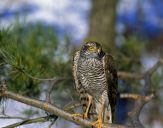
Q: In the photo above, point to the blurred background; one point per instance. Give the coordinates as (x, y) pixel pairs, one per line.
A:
(38, 39)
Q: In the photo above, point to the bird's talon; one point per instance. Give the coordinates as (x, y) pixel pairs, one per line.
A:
(85, 116)
(97, 124)
(77, 115)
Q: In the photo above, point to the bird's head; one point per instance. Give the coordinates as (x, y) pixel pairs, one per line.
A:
(92, 50)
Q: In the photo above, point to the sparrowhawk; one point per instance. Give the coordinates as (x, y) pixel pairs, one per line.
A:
(96, 79)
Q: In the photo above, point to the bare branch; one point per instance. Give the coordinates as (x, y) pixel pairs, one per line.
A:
(154, 68)
(50, 108)
(142, 100)
(136, 96)
(28, 121)
(39, 119)
(12, 117)
(128, 75)
(51, 88)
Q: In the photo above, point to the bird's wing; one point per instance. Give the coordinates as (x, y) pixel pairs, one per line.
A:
(112, 78)
(85, 98)
(75, 70)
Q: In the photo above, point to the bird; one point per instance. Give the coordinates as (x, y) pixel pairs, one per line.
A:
(96, 82)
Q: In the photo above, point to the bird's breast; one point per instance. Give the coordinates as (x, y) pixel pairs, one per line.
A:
(92, 76)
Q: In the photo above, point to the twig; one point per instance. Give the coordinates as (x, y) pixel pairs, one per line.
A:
(154, 68)
(136, 96)
(12, 117)
(51, 124)
(44, 79)
(50, 89)
(129, 75)
(29, 121)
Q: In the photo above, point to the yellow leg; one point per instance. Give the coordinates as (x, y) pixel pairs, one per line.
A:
(98, 123)
(85, 116)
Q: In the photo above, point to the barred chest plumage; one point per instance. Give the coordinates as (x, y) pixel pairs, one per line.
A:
(91, 75)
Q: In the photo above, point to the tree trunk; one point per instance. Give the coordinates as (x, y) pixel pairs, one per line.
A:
(102, 23)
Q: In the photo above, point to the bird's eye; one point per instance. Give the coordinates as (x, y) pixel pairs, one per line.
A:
(90, 48)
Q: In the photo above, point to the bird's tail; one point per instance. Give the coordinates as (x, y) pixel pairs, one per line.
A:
(108, 114)
(84, 98)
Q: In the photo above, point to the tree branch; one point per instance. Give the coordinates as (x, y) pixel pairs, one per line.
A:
(28, 121)
(25, 121)
(50, 108)
(44, 79)
(139, 104)
(12, 117)
(129, 75)
(136, 96)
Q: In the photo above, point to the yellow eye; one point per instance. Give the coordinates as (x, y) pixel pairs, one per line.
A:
(90, 48)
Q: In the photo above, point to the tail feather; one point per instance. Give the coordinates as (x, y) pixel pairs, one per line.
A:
(84, 98)
(108, 115)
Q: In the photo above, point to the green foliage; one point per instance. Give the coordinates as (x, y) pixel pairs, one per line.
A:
(30, 112)
(31, 50)
(156, 79)
(128, 55)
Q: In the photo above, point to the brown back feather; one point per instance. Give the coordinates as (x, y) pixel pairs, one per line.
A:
(112, 82)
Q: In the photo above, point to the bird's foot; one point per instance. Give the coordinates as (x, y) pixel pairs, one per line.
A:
(97, 124)
(77, 115)
(85, 116)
